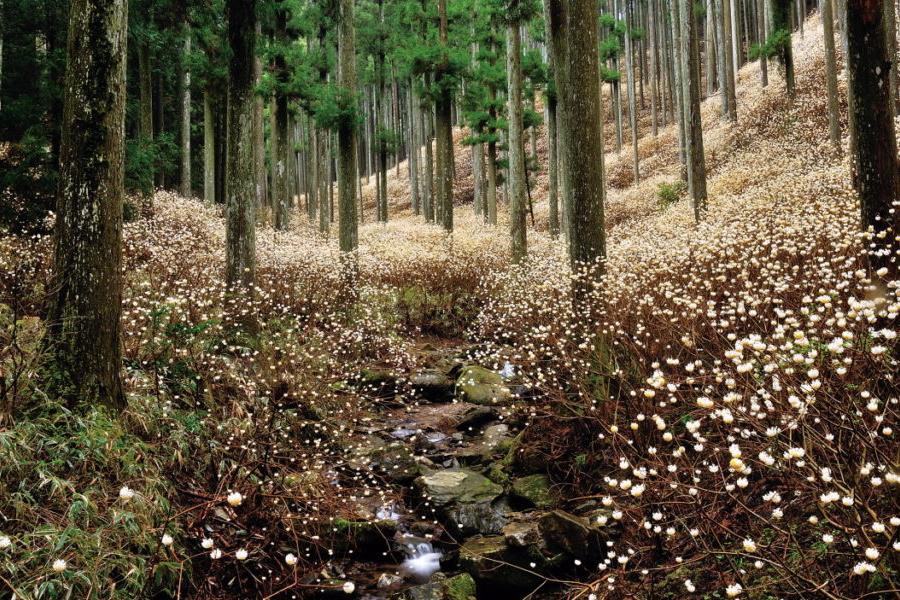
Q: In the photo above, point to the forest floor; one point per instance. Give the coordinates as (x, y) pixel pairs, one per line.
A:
(461, 416)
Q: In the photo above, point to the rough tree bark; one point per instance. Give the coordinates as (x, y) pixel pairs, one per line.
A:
(761, 34)
(779, 11)
(240, 186)
(444, 129)
(84, 331)
(868, 63)
(517, 229)
(693, 126)
(186, 117)
(574, 21)
(632, 103)
(280, 143)
(347, 175)
(834, 125)
(209, 150)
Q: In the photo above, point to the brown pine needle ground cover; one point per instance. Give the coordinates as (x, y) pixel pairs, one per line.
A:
(728, 412)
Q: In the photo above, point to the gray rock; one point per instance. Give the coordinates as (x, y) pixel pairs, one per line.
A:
(458, 486)
(480, 386)
(433, 386)
(468, 501)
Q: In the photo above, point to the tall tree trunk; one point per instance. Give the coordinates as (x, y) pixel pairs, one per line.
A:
(779, 12)
(834, 125)
(444, 129)
(709, 48)
(679, 75)
(490, 215)
(584, 135)
(280, 142)
(412, 126)
(145, 92)
(430, 191)
(632, 103)
(730, 55)
(654, 68)
(761, 33)
(209, 150)
(553, 159)
(2, 29)
(84, 333)
(347, 227)
(186, 117)
(240, 186)
(259, 134)
(322, 171)
(694, 128)
(517, 229)
(868, 63)
(890, 20)
(478, 173)
(555, 15)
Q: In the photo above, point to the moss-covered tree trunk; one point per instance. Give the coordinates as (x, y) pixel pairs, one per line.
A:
(876, 143)
(517, 229)
(84, 329)
(347, 175)
(240, 186)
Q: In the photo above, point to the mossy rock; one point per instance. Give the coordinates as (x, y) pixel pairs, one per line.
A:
(392, 460)
(377, 382)
(441, 587)
(534, 489)
(433, 386)
(368, 539)
(496, 567)
(458, 486)
(459, 587)
(481, 386)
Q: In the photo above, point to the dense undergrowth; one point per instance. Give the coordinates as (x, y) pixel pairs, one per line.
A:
(731, 397)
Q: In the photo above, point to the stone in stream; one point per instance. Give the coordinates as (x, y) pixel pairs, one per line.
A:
(432, 385)
(458, 587)
(468, 501)
(478, 385)
(474, 417)
(496, 567)
(392, 460)
(494, 440)
(367, 539)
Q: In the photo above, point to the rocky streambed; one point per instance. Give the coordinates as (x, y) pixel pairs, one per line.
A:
(468, 520)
